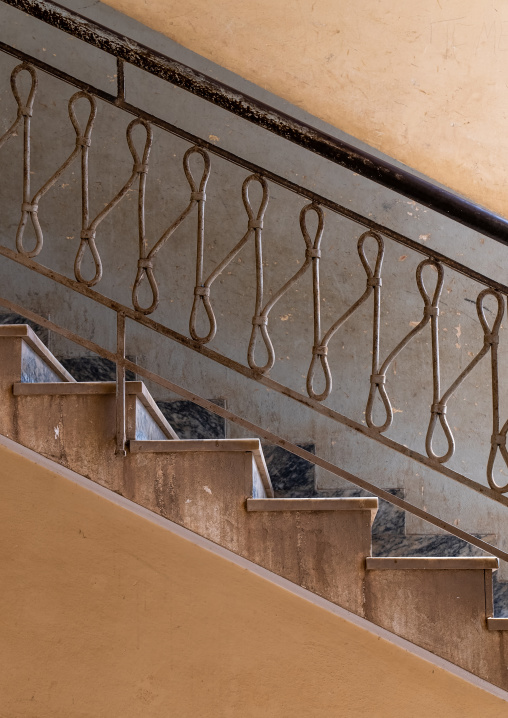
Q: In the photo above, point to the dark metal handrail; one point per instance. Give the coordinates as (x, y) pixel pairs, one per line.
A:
(300, 133)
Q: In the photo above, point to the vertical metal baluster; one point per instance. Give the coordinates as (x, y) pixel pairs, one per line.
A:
(200, 241)
(316, 290)
(436, 372)
(120, 80)
(376, 326)
(495, 390)
(120, 385)
(142, 172)
(85, 205)
(26, 155)
(258, 243)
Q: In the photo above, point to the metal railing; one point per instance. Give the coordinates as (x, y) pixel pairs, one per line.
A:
(203, 295)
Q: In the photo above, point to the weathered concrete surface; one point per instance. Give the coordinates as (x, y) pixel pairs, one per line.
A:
(10, 363)
(74, 430)
(443, 611)
(323, 551)
(343, 279)
(14, 341)
(143, 418)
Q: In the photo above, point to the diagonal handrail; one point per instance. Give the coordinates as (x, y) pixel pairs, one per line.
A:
(263, 115)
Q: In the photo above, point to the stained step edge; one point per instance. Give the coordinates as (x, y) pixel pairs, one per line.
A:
(318, 504)
(431, 562)
(497, 624)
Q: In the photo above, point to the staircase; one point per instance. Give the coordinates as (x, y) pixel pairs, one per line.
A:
(221, 490)
(290, 476)
(439, 592)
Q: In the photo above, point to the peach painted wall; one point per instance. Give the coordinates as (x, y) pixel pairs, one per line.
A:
(422, 80)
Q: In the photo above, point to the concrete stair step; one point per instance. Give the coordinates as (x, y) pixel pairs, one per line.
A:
(23, 358)
(440, 604)
(208, 486)
(144, 418)
(36, 362)
(497, 624)
(312, 504)
(262, 485)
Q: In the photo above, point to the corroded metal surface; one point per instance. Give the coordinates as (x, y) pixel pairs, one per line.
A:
(297, 189)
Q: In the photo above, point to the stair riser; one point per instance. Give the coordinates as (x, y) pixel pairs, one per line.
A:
(443, 611)
(10, 361)
(19, 363)
(79, 430)
(323, 551)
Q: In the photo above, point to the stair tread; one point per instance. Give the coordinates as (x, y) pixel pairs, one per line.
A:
(77, 387)
(182, 445)
(314, 504)
(431, 562)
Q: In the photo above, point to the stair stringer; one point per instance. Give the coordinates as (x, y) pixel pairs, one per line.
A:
(287, 631)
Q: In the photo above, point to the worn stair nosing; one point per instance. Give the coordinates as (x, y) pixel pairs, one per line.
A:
(97, 388)
(27, 334)
(187, 445)
(318, 504)
(380, 563)
(497, 624)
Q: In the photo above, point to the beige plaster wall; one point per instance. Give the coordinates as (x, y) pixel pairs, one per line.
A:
(106, 614)
(422, 80)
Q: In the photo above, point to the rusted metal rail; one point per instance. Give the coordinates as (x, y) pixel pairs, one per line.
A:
(253, 168)
(368, 165)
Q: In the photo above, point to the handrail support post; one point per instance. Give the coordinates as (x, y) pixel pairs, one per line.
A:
(120, 385)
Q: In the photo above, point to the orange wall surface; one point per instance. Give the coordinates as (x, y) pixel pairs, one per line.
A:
(422, 80)
(105, 614)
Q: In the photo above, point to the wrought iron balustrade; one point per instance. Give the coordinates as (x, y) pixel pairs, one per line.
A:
(315, 212)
